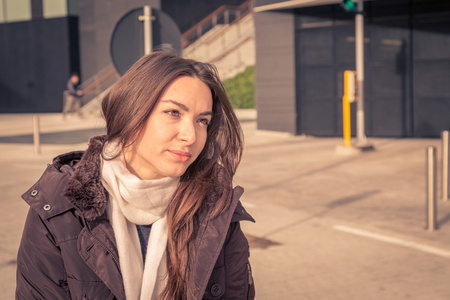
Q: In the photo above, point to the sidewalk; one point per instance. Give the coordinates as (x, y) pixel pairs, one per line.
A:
(328, 226)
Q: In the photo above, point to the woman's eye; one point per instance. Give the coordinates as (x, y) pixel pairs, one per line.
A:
(204, 122)
(173, 113)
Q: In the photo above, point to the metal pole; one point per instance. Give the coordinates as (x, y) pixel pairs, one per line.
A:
(444, 136)
(431, 188)
(36, 139)
(147, 30)
(226, 16)
(359, 43)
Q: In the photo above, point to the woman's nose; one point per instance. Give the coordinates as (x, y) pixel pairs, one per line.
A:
(187, 132)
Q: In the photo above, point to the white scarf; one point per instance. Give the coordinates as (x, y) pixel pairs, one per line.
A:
(138, 202)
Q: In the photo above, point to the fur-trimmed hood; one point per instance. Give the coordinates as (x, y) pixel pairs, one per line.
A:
(84, 189)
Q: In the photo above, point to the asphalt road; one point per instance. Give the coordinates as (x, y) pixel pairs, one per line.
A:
(328, 226)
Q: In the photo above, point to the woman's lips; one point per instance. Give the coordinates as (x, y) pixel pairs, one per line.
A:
(180, 155)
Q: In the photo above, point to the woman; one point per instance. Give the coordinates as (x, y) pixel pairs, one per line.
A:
(147, 211)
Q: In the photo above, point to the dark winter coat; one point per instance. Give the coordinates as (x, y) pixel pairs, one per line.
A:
(72, 88)
(68, 249)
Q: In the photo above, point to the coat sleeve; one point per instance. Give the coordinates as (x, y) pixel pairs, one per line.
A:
(40, 268)
(239, 280)
(71, 88)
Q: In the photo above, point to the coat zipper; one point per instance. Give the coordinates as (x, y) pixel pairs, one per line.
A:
(88, 229)
(107, 249)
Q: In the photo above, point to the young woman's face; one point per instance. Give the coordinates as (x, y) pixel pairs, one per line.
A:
(175, 132)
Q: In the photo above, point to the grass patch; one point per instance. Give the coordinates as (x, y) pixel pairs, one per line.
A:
(241, 88)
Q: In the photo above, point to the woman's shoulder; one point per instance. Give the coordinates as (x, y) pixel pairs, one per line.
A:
(45, 196)
(241, 214)
(234, 212)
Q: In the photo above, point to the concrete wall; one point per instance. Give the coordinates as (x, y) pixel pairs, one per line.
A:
(275, 78)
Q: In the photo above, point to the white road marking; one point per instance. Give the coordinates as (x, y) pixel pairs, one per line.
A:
(392, 240)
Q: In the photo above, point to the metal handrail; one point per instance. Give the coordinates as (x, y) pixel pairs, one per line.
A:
(225, 14)
(96, 84)
(99, 80)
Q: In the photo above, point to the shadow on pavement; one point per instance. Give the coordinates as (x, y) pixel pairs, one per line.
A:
(55, 138)
(258, 242)
(8, 263)
(351, 199)
(444, 220)
(333, 205)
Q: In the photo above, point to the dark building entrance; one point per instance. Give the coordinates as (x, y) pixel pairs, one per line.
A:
(407, 68)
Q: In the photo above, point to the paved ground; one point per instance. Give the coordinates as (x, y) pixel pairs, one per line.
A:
(328, 226)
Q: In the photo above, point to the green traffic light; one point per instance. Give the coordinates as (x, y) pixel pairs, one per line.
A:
(348, 5)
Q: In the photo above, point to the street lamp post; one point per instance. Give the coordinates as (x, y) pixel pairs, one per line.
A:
(361, 139)
(147, 19)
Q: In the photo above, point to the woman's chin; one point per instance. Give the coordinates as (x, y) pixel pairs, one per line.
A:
(175, 173)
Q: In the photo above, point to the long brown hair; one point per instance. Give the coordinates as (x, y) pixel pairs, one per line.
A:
(126, 109)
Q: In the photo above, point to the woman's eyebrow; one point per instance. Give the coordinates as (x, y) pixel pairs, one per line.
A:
(180, 105)
(185, 108)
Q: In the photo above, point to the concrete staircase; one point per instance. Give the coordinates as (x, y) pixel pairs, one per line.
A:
(230, 47)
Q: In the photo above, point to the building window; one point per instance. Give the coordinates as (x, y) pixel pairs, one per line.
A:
(72, 7)
(60, 8)
(54, 8)
(2, 11)
(15, 10)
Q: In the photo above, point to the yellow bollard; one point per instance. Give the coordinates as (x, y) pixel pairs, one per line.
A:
(349, 96)
(347, 121)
